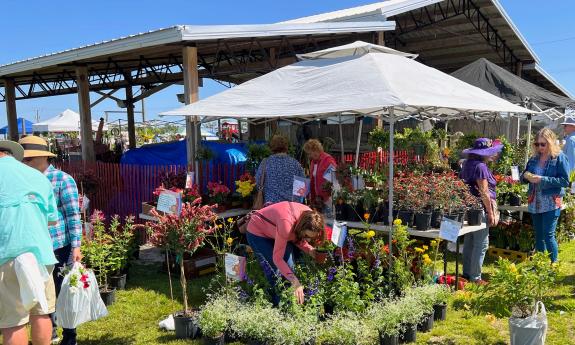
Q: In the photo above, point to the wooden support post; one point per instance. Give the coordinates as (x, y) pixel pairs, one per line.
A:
(85, 114)
(131, 120)
(191, 95)
(10, 90)
(380, 40)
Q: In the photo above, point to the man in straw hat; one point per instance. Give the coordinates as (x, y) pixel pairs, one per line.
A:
(569, 148)
(27, 206)
(67, 234)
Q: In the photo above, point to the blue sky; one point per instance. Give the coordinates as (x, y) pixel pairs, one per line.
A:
(32, 28)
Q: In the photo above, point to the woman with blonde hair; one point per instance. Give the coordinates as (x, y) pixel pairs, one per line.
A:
(276, 232)
(547, 173)
(320, 161)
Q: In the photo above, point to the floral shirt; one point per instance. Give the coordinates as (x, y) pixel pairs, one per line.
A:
(280, 171)
(542, 203)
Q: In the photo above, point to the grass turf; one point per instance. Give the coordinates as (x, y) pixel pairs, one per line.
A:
(134, 317)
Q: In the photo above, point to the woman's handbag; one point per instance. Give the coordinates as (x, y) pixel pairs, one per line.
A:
(243, 222)
(259, 199)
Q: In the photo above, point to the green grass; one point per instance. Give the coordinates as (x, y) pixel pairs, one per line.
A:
(134, 317)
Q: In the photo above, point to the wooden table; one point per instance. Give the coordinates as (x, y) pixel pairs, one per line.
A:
(431, 234)
(236, 212)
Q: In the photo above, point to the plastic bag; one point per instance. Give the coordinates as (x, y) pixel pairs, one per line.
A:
(32, 279)
(168, 324)
(531, 330)
(79, 299)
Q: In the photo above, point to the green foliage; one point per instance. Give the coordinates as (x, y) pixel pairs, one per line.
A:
(346, 328)
(256, 154)
(204, 154)
(215, 315)
(378, 137)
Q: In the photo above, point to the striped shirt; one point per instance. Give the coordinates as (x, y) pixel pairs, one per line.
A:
(68, 230)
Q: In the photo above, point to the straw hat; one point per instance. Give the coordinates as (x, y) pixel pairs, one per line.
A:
(35, 147)
(13, 147)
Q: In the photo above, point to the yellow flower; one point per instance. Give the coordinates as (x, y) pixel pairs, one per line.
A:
(229, 241)
(370, 234)
(230, 220)
(434, 243)
(220, 226)
(490, 318)
(397, 222)
(419, 250)
(425, 256)
(513, 268)
(425, 247)
(427, 261)
(366, 216)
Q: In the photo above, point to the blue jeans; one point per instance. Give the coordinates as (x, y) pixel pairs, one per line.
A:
(474, 248)
(263, 249)
(64, 257)
(545, 225)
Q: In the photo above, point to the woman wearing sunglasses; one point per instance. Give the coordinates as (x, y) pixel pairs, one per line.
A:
(548, 174)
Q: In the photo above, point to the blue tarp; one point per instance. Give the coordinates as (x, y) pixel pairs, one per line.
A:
(28, 125)
(174, 153)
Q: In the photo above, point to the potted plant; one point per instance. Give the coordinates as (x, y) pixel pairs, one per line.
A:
(218, 194)
(425, 295)
(440, 298)
(411, 316)
(214, 319)
(526, 241)
(184, 233)
(97, 252)
(121, 251)
(346, 329)
(245, 188)
(386, 319)
(256, 324)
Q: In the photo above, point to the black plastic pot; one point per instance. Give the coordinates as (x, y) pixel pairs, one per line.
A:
(436, 218)
(461, 216)
(423, 221)
(474, 217)
(214, 341)
(452, 216)
(186, 326)
(408, 335)
(406, 217)
(426, 324)
(385, 339)
(439, 312)
(118, 282)
(514, 199)
(108, 296)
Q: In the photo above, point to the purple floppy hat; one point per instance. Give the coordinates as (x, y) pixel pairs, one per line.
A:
(484, 147)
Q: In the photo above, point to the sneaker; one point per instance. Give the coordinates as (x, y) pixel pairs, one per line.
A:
(55, 340)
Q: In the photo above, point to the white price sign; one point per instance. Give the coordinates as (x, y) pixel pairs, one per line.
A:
(450, 229)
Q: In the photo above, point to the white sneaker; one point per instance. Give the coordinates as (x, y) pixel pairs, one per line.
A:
(55, 340)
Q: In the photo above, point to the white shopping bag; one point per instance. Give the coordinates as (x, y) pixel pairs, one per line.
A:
(531, 330)
(76, 303)
(32, 279)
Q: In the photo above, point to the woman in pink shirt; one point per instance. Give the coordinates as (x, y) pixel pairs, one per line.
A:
(274, 231)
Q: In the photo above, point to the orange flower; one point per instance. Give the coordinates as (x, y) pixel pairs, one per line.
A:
(366, 216)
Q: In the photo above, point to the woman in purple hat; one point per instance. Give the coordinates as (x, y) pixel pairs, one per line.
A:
(548, 174)
(481, 182)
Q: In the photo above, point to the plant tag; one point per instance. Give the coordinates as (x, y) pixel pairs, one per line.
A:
(300, 186)
(235, 267)
(190, 180)
(339, 233)
(572, 187)
(329, 174)
(170, 202)
(449, 229)
(515, 173)
(358, 182)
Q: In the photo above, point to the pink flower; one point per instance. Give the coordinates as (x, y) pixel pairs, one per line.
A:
(97, 216)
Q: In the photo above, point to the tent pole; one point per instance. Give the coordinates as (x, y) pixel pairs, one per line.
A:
(341, 140)
(528, 138)
(518, 136)
(508, 127)
(358, 142)
(390, 180)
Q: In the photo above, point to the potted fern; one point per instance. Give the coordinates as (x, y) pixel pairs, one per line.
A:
(181, 234)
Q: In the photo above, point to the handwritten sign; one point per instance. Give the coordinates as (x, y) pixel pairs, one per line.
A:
(515, 173)
(235, 267)
(300, 186)
(329, 174)
(449, 229)
(170, 202)
(339, 233)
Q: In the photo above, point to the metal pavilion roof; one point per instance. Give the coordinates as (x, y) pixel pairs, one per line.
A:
(230, 53)
(449, 34)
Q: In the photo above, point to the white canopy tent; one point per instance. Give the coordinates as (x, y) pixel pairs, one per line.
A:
(66, 121)
(374, 82)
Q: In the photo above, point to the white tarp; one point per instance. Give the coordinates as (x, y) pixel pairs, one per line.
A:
(355, 48)
(358, 83)
(66, 121)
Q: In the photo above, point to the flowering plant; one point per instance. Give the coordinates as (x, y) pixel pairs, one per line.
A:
(79, 279)
(183, 233)
(246, 185)
(218, 192)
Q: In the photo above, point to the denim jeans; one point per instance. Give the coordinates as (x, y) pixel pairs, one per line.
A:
(545, 225)
(64, 257)
(474, 248)
(263, 248)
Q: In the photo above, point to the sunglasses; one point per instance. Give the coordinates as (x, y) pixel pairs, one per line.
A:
(539, 144)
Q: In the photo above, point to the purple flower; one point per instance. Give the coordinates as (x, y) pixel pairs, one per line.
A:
(350, 247)
(377, 262)
(312, 290)
(249, 281)
(331, 273)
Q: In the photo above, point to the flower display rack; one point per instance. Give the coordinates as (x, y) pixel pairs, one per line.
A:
(512, 255)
